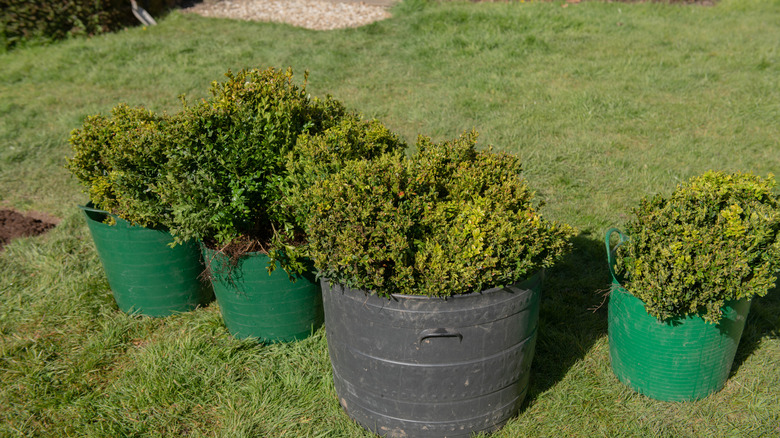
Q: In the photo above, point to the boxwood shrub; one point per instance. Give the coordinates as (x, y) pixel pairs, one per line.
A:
(715, 238)
(447, 220)
(316, 156)
(232, 169)
(224, 173)
(245, 157)
(119, 159)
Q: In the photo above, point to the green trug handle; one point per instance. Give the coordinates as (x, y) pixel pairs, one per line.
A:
(611, 250)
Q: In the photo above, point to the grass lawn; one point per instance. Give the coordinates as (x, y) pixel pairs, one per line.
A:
(605, 103)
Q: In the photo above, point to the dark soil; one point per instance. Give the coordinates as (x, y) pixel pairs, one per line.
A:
(14, 224)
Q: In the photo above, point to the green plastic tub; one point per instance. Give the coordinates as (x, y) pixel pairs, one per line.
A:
(268, 307)
(681, 359)
(147, 276)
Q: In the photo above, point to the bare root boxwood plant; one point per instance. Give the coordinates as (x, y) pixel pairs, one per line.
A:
(448, 220)
(715, 238)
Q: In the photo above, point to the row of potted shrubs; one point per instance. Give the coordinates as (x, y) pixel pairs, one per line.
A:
(430, 263)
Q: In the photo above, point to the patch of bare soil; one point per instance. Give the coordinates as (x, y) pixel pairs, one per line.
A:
(14, 224)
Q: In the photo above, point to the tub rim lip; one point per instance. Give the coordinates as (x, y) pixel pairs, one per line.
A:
(535, 279)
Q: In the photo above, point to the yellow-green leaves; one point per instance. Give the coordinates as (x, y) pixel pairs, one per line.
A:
(735, 226)
(448, 220)
(118, 159)
(216, 170)
(715, 238)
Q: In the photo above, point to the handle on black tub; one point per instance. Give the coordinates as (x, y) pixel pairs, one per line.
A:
(439, 333)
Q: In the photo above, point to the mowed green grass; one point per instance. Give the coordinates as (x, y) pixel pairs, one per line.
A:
(605, 103)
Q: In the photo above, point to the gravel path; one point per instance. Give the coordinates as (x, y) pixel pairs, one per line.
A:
(311, 14)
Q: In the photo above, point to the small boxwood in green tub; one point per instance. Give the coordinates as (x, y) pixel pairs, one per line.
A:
(119, 159)
(233, 180)
(690, 263)
(432, 268)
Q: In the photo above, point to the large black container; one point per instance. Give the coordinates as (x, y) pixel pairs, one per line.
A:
(415, 366)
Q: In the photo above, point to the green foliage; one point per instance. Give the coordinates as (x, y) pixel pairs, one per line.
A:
(52, 20)
(221, 178)
(47, 21)
(118, 159)
(449, 220)
(232, 170)
(715, 238)
(587, 107)
(317, 156)
(24, 20)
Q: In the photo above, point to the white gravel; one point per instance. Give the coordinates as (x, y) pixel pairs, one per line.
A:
(311, 14)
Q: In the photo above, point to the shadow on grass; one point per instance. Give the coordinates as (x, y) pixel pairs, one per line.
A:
(573, 314)
(763, 321)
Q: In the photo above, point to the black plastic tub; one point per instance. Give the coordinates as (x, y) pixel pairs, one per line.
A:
(413, 366)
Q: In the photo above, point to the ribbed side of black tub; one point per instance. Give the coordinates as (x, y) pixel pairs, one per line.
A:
(413, 366)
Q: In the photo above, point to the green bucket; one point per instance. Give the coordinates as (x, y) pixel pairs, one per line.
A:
(268, 307)
(146, 275)
(681, 359)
